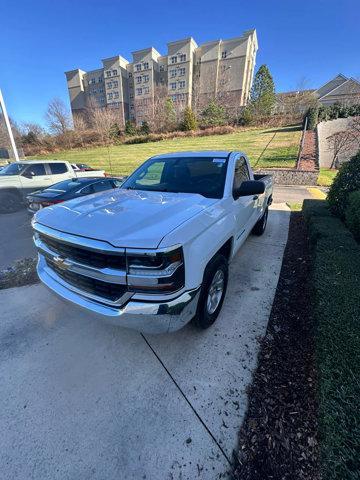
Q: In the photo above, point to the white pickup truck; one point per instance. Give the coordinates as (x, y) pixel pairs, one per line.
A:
(154, 254)
(18, 179)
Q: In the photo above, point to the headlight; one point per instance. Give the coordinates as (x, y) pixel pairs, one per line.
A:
(155, 272)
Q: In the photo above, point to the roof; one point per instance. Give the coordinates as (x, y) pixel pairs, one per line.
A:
(349, 87)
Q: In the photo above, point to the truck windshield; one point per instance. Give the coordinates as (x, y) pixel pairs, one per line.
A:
(13, 169)
(202, 175)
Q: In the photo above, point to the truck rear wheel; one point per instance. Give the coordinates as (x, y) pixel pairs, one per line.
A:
(9, 202)
(213, 292)
(260, 225)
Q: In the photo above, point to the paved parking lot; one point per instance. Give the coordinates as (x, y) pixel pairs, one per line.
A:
(82, 399)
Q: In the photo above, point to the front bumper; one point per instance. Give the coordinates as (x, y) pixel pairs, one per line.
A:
(146, 317)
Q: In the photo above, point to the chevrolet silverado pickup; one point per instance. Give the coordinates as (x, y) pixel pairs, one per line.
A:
(154, 254)
(18, 179)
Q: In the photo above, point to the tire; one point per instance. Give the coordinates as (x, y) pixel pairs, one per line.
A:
(209, 306)
(9, 202)
(260, 225)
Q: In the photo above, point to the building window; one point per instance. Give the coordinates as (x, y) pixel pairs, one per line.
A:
(100, 78)
(109, 84)
(131, 107)
(110, 96)
(173, 86)
(181, 72)
(146, 78)
(138, 79)
(146, 65)
(131, 96)
(224, 54)
(102, 99)
(162, 68)
(173, 59)
(101, 90)
(146, 90)
(173, 72)
(183, 57)
(138, 67)
(139, 91)
(182, 84)
(115, 84)
(114, 72)
(173, 98)
(116, 94)
(108, 73)
(130, 75)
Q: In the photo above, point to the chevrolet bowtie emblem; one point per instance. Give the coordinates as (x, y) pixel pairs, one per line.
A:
(61, 263)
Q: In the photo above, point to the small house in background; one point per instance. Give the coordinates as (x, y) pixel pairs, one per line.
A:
(340, 89)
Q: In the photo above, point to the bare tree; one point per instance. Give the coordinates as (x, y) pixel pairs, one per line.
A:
(341, 143)
(102, 120)
(58, 117)
(33, 127)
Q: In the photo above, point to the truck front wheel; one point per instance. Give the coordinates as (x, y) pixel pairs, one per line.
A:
(213, 292)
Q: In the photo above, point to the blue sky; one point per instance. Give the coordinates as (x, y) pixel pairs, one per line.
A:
(311, 39)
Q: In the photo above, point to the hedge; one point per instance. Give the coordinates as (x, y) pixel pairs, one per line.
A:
(336, 280)
(352, 214)
(346, 181)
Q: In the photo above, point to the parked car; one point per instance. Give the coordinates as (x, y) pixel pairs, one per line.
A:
(154, 254)
(19, 179)
(69, 189)
(82, 167)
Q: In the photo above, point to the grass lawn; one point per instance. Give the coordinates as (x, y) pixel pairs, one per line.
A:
(326, 177)
(282, 151)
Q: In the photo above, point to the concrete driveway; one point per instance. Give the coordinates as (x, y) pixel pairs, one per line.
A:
(82, 399)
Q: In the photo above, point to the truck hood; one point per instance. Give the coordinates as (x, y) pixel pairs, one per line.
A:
(124, 218)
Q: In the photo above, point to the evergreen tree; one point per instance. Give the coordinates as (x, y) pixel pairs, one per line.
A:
(130, 128)
(114, 131)
(170, 114)
(145, 128)
(263, 92)
(214, 115)
(189, 120)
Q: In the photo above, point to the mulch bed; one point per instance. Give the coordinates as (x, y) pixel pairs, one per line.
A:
(279, 439)
(308, 159)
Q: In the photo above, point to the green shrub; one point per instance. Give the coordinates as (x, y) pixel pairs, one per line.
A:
(346, 181)
(313, 114)
(130, 128)
(189, 121)
(145, 128)
(336, 279)
(352, 214)
(213, 115)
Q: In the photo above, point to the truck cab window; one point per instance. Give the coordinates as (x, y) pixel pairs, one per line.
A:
(241, 172)
(36, 169)
(57, 168)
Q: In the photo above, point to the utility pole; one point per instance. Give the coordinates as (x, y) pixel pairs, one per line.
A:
(8, 127)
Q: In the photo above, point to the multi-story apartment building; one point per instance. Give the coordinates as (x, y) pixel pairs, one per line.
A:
(189, 74)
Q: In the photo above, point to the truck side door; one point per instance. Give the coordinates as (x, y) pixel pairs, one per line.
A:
(243, 206)
(59, 171)
(34, 177)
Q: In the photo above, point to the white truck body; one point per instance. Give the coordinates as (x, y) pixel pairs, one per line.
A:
(136, 222)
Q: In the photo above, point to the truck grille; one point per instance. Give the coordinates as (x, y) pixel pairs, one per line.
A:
(109, 291)
(87, 257)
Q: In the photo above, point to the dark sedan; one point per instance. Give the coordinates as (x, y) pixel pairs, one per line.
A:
(68, 189)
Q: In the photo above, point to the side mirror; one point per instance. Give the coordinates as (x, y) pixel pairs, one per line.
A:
(249, 187)
(28, 174)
